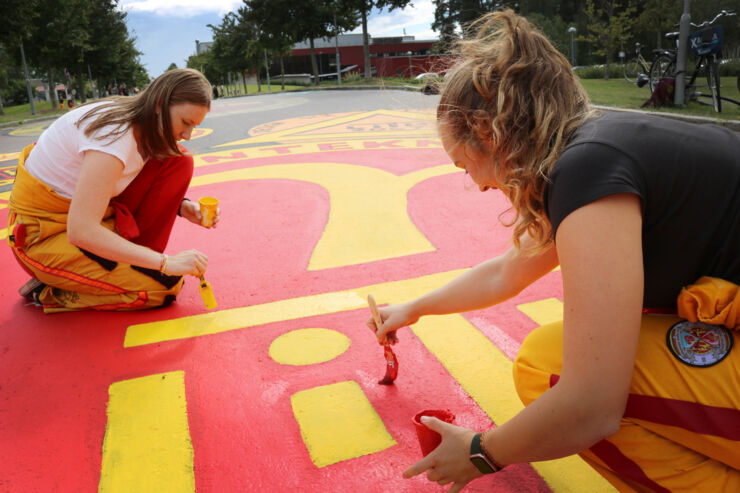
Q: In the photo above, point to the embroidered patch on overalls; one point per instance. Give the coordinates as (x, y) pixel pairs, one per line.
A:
(699, 344)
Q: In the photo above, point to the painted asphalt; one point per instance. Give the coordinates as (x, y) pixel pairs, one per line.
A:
(326, 197)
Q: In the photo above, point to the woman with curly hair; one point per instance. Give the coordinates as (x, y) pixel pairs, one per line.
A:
(95, 199)
(642, 214)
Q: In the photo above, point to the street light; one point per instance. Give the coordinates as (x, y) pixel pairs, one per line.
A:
(572, 31)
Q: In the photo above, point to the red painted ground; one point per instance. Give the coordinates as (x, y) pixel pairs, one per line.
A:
(56, 369)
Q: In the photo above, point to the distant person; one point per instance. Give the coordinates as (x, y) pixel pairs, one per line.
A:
(95, 199)
(642, 214)
(215, 92)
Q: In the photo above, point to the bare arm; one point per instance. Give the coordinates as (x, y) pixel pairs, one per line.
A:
(91, 197)
(600, 250)
(486, 284)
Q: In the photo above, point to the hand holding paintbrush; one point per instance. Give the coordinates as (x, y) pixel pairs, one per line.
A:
(391, 368)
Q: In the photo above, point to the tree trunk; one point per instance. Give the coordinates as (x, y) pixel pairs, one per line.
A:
(52, 88)
(244, 81)
(81, 86)
(282, 73)
(2, 111)
(314, 65)
(365, 45)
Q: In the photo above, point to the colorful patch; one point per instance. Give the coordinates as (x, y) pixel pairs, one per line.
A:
(698, 343)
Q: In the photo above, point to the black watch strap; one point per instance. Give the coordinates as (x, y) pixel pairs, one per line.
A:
(480, 459)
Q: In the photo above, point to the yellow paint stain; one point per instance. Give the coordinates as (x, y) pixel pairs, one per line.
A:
(308, 346)
(311, 131)
(353, 212)
(147, 444)
(3, 233)
(30, 130)
(485, 373)
(277, 311)
(338, 423)
(200, 132)
(9, 156)
(543, 311)
(333, 144)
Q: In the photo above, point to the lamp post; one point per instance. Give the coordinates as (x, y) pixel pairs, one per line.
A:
(572, 31)
(683, 42)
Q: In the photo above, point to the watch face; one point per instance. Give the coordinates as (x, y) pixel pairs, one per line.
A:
(482, 464)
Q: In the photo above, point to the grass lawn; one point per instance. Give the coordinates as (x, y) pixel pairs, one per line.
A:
(615, 92)
(619, 93)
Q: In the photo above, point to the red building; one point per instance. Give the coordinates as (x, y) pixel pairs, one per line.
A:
(401, 56)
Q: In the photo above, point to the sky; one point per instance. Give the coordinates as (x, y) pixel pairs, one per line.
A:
(166, 30)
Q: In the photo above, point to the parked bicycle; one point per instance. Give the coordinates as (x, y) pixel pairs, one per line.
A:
(635, 67)
(706, 44)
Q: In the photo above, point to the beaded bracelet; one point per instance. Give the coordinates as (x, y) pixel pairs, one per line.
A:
(163, 263)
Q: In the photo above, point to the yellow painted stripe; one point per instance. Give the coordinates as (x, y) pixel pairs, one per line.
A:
(543, 311)
(147, 443)
(338, 423)
(3, 233)
(277, 311)
(485, 373)
(282, 135)
(488, 381)
(324, 144)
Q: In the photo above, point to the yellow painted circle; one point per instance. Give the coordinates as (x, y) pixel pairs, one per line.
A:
(308, 346)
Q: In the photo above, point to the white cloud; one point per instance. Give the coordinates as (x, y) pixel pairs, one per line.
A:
(416, 20)
(180, 8)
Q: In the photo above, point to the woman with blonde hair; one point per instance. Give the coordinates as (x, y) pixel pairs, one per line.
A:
(95, 199)
(642, 213)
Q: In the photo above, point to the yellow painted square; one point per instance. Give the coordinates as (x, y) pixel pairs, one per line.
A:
(543, 311)
(147, 444)
(338, 423)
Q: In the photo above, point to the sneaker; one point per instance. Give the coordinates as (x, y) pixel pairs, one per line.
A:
(31, 289)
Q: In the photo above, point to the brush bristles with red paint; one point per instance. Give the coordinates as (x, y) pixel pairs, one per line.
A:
(391, 362)
(391, 366)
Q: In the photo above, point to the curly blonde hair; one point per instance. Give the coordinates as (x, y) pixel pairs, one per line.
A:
(511, 91)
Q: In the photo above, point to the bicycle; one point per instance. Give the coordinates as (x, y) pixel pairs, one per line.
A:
(635, 66)
(706, 44)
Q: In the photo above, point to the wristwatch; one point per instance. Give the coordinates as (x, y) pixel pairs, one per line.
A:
(480, 459)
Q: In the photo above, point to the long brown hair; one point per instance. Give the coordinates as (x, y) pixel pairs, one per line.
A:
(511, 91)
(150, 111)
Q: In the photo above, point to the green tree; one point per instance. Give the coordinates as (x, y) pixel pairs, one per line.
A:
(363, 8)
(314, 19)
(235, 47)
(609, 24)
(272, 35)
(452, 17)
(172, 66)
(113, 55)
(17, 19)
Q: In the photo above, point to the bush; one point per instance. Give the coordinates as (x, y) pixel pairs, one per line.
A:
(597, 71)
(729, 68)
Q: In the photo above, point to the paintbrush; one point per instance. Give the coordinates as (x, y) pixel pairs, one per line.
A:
(207, 294)
(391, 362)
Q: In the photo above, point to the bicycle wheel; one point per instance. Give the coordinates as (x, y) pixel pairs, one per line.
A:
(663, 66)
(631, 69)
(713, 83)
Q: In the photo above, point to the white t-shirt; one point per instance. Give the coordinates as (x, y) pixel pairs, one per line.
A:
(56, 159)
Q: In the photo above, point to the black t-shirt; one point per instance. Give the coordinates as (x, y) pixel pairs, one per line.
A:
(687, 177)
